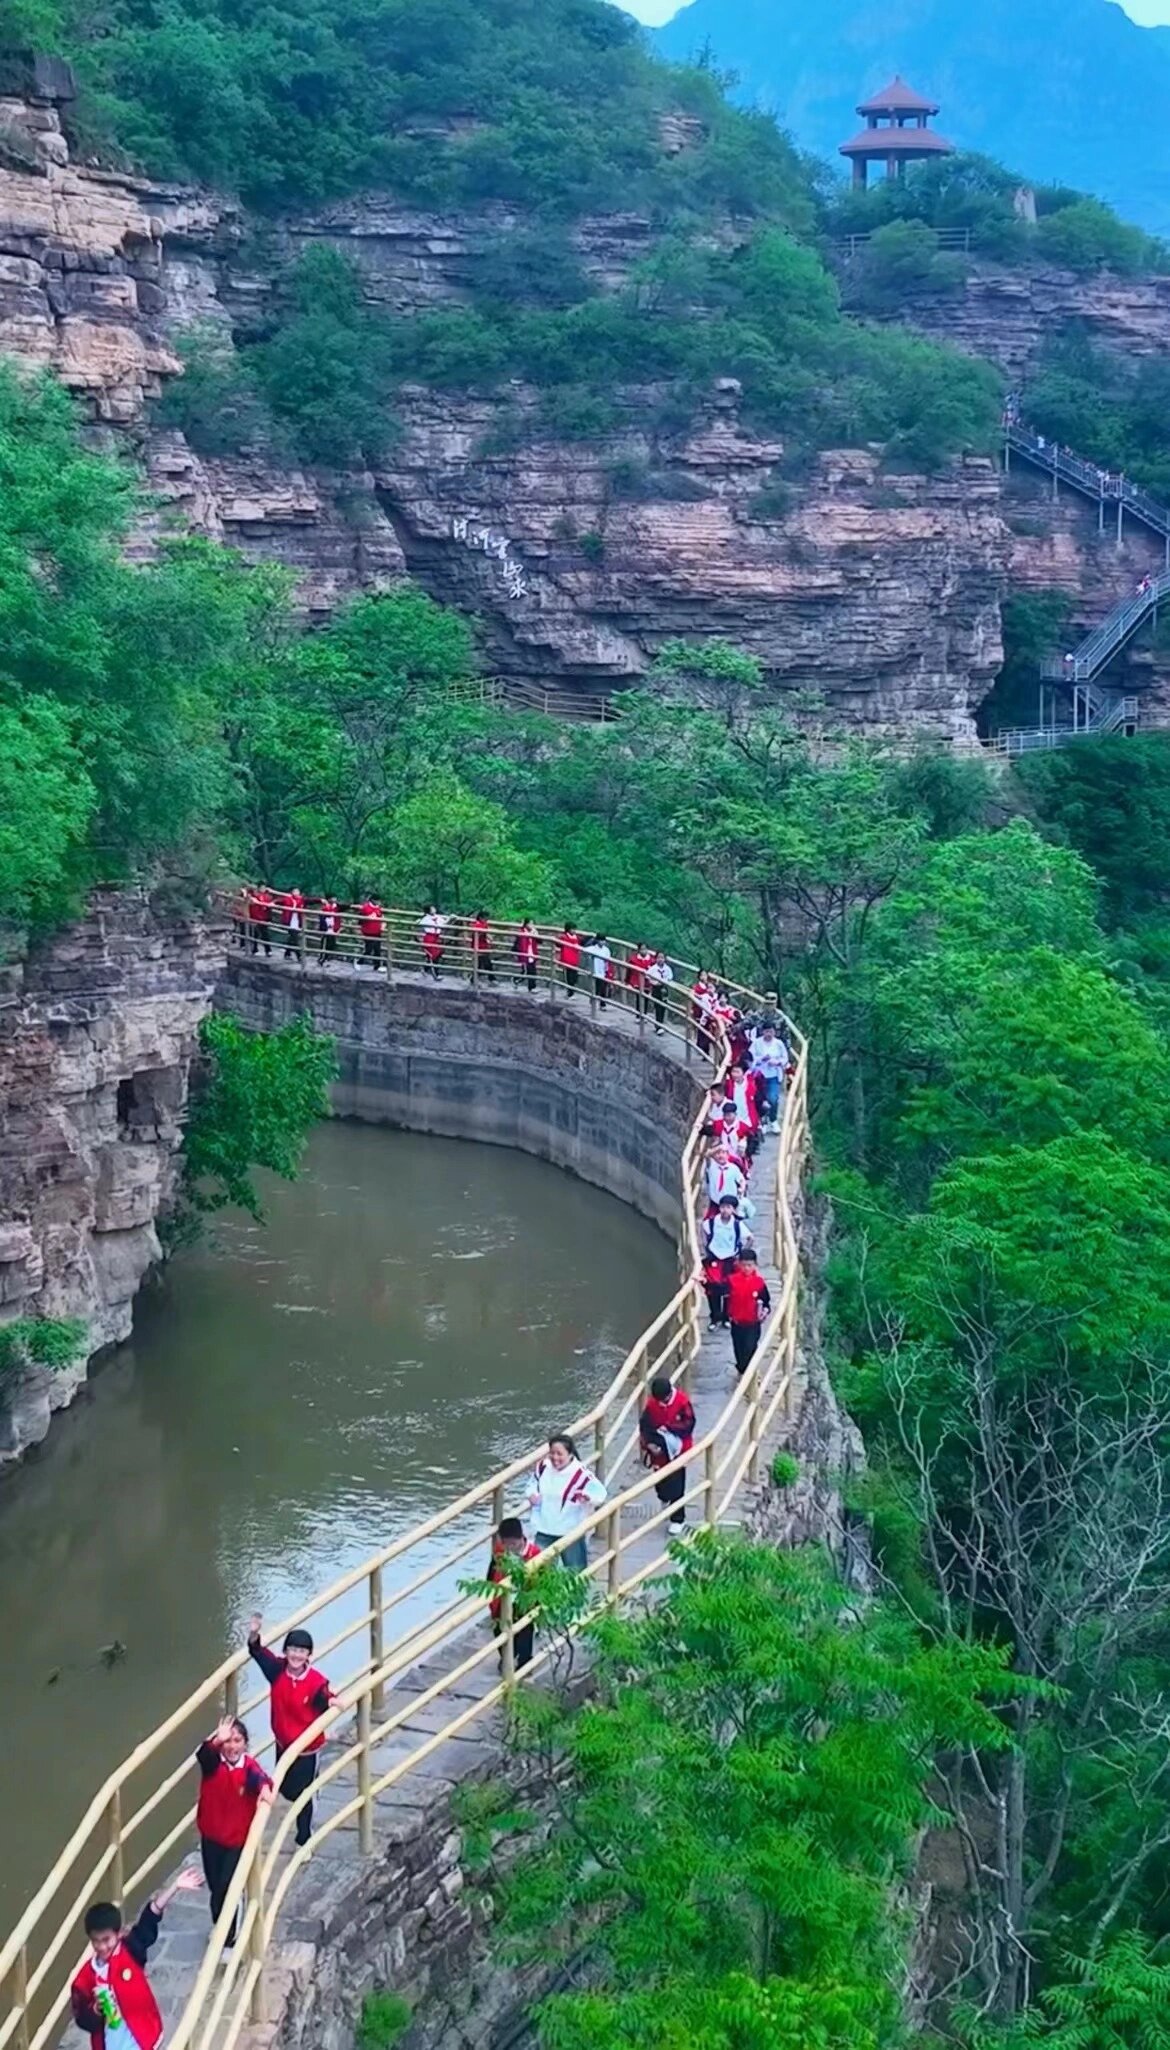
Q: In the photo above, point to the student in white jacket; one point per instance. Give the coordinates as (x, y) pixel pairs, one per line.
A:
(561, 1493)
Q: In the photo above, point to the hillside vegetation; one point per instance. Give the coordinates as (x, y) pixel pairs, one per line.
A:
(554, 112)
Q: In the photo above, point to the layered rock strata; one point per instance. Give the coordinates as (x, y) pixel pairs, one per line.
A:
(879, 593)
(98, 1030)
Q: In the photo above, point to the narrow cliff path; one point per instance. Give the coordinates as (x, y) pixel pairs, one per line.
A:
(413, 1830)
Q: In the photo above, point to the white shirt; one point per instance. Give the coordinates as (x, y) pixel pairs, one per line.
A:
(660, 971)
(552, 1491)
(725, 1237)
(769, 1057)
(600, 957)
(724, 1178)
(434, 921)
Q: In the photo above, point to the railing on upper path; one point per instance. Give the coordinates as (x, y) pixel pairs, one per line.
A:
(848, 247)
(138, 1819)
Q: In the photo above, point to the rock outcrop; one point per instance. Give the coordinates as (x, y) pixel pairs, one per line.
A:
(97, 1033)
(879, 593)
(1011, 314)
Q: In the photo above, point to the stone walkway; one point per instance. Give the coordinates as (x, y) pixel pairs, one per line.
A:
(323, 1893)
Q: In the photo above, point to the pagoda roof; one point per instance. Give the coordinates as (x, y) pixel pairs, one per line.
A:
(898, 142)
(897, 98)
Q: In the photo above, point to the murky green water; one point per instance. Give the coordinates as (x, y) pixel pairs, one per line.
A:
(416, 1312)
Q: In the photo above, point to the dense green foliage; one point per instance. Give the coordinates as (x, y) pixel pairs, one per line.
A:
(1116, 412)
(252, 1107)
(978, 196)
(52, 1342)
(321, 372)
(446, 101)
(736, 1816)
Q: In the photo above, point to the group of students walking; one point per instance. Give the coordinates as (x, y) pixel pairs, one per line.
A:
(112, 2000)
(639, 978)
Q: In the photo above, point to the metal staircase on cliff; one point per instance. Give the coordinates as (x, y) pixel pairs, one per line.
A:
(1093, 709)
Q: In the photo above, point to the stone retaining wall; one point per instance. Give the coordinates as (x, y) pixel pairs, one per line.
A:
(492, 1065)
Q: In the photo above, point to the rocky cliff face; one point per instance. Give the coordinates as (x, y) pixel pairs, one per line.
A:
(97, 1033)
(881, 594)
(1010, 315)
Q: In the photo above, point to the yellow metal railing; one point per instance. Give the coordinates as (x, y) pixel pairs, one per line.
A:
(137, 1821)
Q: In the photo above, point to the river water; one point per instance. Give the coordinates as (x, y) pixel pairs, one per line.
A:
(414, 1314)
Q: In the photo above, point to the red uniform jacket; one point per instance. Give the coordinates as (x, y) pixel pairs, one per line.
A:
(259, 905)
(747, 1296)
(294, 1703)
(481, 936)
(130, 1987)
(330, 915)
(677, 1415)
(496, 1572)
(636, 966)
(228, 1796)
(569, 951)
(293, 902)
(370, 919)
(528, 945)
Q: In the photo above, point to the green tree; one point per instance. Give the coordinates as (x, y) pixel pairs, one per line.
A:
(734, 1820)
(259, 1095)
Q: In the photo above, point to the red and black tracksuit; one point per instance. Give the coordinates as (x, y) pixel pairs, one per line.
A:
(259, 914)
(524, 1632)
(569, 956)
(371, 924)
(481, 948)
(527, 949)
(748, 1301)
(228, 1798)
(294, 1704)
(676, 1417)
(129, 1985)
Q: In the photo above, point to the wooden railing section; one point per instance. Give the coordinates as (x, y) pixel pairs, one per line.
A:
(141, 1817)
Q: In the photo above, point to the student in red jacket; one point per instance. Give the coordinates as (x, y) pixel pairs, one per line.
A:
(748, 1302)
(527, 949)
(637, 963)
(509, 1542)
(231, 1788)
(299, 1695)
(372, 924)
(112, 2000)
(483, 966)
(294, 922)
(329, 927)
(569, 957)
(666, 1428)
(259, 914)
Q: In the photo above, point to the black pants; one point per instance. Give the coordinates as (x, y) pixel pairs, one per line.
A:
(372, 952)
(431, 964)
(659, 1013)
(744, 1340)
(301, 1774)
(717, 1300)
(328, 944)
(528, 970)
(640, 999)
(521, 1645)
(260, 932)
(601, 986)
(571, 975)
(672, 1489)
(292, 943)
(485, 967)
(219, 1864)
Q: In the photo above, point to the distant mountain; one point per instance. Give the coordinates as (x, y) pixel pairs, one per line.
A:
(1068, 92)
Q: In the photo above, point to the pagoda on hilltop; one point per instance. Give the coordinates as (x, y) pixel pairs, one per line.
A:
(895, 133)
